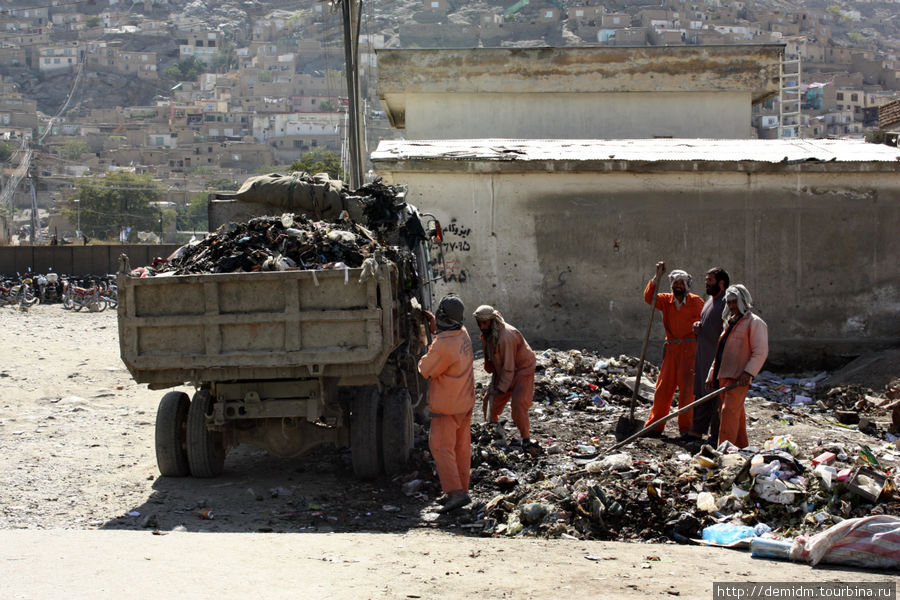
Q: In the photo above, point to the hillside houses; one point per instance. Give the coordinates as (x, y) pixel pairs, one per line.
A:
(281, 92)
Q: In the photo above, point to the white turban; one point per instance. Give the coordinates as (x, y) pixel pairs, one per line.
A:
(486, 312)
(682, 275)
(744, 301)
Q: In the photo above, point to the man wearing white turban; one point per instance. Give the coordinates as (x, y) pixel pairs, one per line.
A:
(740, 355)
(680, 310)
(509, 358)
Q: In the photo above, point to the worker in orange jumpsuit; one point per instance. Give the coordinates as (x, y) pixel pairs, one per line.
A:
(680, 309)
(449, 365)
(740, 355)
(509, 358)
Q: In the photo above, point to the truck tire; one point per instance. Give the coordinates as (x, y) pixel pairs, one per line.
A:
(205, 448)
(171, 435)
(364, 426)
(396, 430)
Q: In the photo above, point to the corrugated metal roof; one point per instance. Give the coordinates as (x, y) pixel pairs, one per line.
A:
(642, 150)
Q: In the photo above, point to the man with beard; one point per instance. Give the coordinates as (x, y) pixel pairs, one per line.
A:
(708, 329)
(680, 310)
(449, 365)
(510, 360)
(740, 355)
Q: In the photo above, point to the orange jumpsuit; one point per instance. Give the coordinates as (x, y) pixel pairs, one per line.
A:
(449, 365)
(677, 370)
(512, 363)
(743, 347)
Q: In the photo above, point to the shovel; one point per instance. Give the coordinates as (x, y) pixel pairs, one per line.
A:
(628, 425)
(658, 422)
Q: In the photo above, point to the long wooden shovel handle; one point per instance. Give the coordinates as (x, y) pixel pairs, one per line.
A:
(640, 368)
(671, 415)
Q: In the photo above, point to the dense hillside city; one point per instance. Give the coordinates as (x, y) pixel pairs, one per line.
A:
(183, 97)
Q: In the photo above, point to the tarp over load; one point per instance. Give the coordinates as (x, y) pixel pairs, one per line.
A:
(318, 196)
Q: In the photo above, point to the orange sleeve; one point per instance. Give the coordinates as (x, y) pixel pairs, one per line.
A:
(506, 347)
(648, 295)
(436, 360)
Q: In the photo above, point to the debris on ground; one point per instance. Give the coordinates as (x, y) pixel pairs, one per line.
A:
(800, 480)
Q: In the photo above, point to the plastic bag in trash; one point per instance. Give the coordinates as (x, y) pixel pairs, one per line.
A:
(727, 533)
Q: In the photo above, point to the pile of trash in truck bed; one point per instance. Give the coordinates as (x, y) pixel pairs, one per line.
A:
(292, 241)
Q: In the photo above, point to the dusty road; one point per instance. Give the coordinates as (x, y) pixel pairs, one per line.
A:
(80, 497)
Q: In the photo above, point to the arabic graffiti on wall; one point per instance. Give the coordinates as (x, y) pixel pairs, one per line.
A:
(456, 241)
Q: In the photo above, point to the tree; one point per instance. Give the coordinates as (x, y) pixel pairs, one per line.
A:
(186, 70)
(194, 216)
(319, 161)
(225, 58)
(327, 106)
(92, 21)
(6, 150)
(106, 203)
(73, 149)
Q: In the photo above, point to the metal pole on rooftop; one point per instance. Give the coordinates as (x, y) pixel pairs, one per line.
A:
(350, 14)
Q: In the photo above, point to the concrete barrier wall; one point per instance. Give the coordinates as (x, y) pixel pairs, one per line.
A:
(566, 256)
(77, 260)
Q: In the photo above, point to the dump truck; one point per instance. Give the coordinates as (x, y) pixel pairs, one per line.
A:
(284, 360)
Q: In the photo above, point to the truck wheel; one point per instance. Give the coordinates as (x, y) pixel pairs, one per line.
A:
(396, 430)
(171, 435)
(364, 436)
(205, 448)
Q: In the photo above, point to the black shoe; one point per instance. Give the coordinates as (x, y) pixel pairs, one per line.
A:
(455, 502)
(442, 499)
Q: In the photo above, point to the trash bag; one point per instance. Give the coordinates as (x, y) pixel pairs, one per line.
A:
(317, 196)
(864, 542)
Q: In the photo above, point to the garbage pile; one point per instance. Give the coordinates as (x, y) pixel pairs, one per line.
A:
(816, 474)
(294, 241)
(275, 244)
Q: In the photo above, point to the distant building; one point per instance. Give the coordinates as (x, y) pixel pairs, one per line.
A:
(683, 91)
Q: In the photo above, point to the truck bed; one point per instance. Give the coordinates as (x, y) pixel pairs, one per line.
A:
(252, 326)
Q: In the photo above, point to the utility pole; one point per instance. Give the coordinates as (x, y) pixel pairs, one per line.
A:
(350, 17)
(35, 215)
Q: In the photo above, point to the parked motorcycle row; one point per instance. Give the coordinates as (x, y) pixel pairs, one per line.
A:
(94, 292)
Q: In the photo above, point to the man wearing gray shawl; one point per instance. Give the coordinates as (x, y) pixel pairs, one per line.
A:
(740, 354)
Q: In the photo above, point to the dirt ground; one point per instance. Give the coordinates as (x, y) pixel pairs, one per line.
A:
(76, 440)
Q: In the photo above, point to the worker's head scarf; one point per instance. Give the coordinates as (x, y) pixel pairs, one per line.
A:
(450, 313)
(744, 301)
(682, 275)
(486, 312)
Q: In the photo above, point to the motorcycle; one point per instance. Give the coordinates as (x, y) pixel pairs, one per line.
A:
(76, 298)
(48, 288)
(20, 293)
(110, 293)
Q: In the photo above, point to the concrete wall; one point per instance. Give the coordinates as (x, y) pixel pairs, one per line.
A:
(579, 115)
(77, 260)
(596, 92)
(565, 256)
